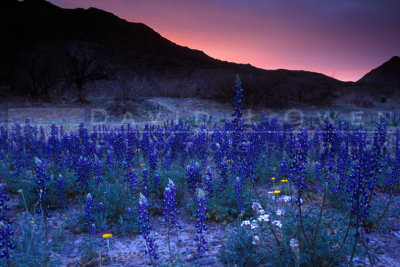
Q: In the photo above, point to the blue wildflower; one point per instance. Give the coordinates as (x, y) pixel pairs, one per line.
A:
(201, 215)
(145, 228)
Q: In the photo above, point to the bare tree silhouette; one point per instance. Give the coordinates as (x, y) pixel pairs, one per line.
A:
(42, 72)
(84, 68)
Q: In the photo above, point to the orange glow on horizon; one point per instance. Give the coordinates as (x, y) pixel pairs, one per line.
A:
(263, 60)
(341, 39)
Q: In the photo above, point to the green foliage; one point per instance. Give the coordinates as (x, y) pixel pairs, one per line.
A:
(119, 209)
(267, 167)
(297, 242)
(239, 250)
(90, 251)
(29, 186)
(177, 174)
(223, 206)
(32, 249)
(115, 198)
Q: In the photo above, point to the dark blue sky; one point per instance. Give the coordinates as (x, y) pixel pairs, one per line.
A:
(340, 38)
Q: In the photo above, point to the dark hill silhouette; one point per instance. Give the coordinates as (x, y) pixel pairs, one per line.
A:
(383, 82)
(388, 72)
(37, 39)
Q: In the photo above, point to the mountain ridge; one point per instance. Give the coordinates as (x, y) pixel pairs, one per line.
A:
(389, 71)
(132, 50)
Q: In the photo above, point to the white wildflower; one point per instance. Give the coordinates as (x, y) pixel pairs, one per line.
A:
(245, 224)
(257, 208)
(256, 239)
(280, 212)
(277, 223)
(254, 224)
(285, 198)
(294, 243)
(264, 218)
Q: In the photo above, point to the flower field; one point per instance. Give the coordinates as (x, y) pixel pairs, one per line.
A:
(261, 194)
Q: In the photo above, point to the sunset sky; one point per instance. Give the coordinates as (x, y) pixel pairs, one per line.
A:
(343, 39)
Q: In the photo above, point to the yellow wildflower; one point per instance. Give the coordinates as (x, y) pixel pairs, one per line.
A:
(277, 191)
(32, 222)
(142, 164)
(284, 181)
(107, 236)
(41, 191)
(273, 178)
(20, 190)
(138, 150)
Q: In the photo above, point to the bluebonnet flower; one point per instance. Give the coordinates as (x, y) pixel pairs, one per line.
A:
(111, 164)
(153, 161)
(54, 145)
(200, 144)
(89, 219)
(29, 143)
(97, 166)
(343, 163)
(83, 132)
(41, 180)
(83, 172)
(284, 169)
(17, 147)
(316, 143)
(170, 212)
(397, 152)
(223, 168)
(358, 180)
(5, 229)
(3, 138)
(327, 161)
(3, 206)
(145, 143)
(237, 138)
(169, 204)
(392, 172)
(156, 181)
(390, 179)
(118, 147)
(145, 181)
(100, 207)
(201, 215)
(61, 191)
(132, 145)
(238, 104)
(238, 190)
(193, 175)
(145, 228)
(298, 159)
(168, 160)
(131, 181)
(117, 141)
(327, 144)
(208, 183)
